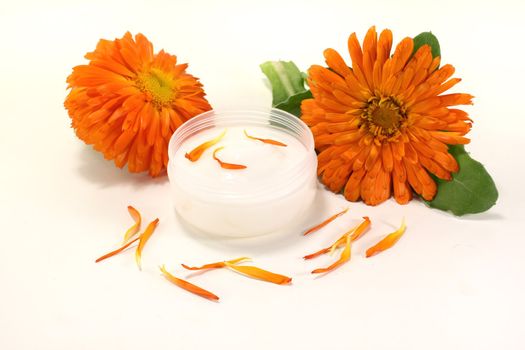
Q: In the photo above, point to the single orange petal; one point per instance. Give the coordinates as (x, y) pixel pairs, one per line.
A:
(190, 287)
(255, 272)
(361, 229)
(269, 141)
(345, 256)
(216, 265)
(316, 254)
(336, 63)
(197, 152)
(387, 242)
(326, 222)
(135, 214)
(144, 237)
(225, 165)
(116, 251)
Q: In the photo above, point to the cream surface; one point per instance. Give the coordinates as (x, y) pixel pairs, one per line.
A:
(270, 195)
(264, 162)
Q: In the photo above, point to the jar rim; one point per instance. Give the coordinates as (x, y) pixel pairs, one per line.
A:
(272, 117)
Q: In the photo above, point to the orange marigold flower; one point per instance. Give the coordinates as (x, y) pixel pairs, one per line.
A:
(128, 101)
(383, 124)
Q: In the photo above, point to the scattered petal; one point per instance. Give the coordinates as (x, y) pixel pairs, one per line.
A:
(190, 287)
(260, 274)
(354, 233)
(316, 254)
(268, 141)
(345, 256)
(197, 152)
(216, 265)
(144, 237)
(326, 222)
(133, 230)
(387, 242)
(116, 251)
(225, 165)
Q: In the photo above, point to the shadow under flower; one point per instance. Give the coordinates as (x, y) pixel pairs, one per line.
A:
(486, 216)
(97, 170)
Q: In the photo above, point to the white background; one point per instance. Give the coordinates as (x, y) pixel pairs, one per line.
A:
(450, 283)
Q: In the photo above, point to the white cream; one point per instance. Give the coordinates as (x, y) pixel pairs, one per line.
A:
(271, 195)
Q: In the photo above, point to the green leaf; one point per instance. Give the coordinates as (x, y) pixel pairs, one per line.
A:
(287, 83)
(293, 103)
(471, 189)
(429, 39)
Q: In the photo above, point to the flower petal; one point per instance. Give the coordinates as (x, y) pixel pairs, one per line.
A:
(216, 265)
(117, 251)
(336, 62)
(345, 257)
(133, 230)
(268, 141)
(257, 273)
(361, 229)
(326, 222)
(197, 152)
(225, 165)
(190, 287)
(144, 237)
(354, 233)
(387, 242)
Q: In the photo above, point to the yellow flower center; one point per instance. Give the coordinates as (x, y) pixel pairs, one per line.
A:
(384, 116)
(158, 85)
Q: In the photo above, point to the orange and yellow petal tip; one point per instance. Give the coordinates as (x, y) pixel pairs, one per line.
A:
(387, 242)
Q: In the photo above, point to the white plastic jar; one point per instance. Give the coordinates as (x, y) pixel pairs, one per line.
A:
(272, 194)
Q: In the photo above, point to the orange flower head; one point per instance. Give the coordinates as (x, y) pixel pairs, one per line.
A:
(127, 102)
(384, 124)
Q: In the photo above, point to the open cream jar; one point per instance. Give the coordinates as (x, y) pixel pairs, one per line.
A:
(272, 194)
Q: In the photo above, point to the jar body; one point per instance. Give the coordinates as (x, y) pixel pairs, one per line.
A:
(277, 202)
(246, 218)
